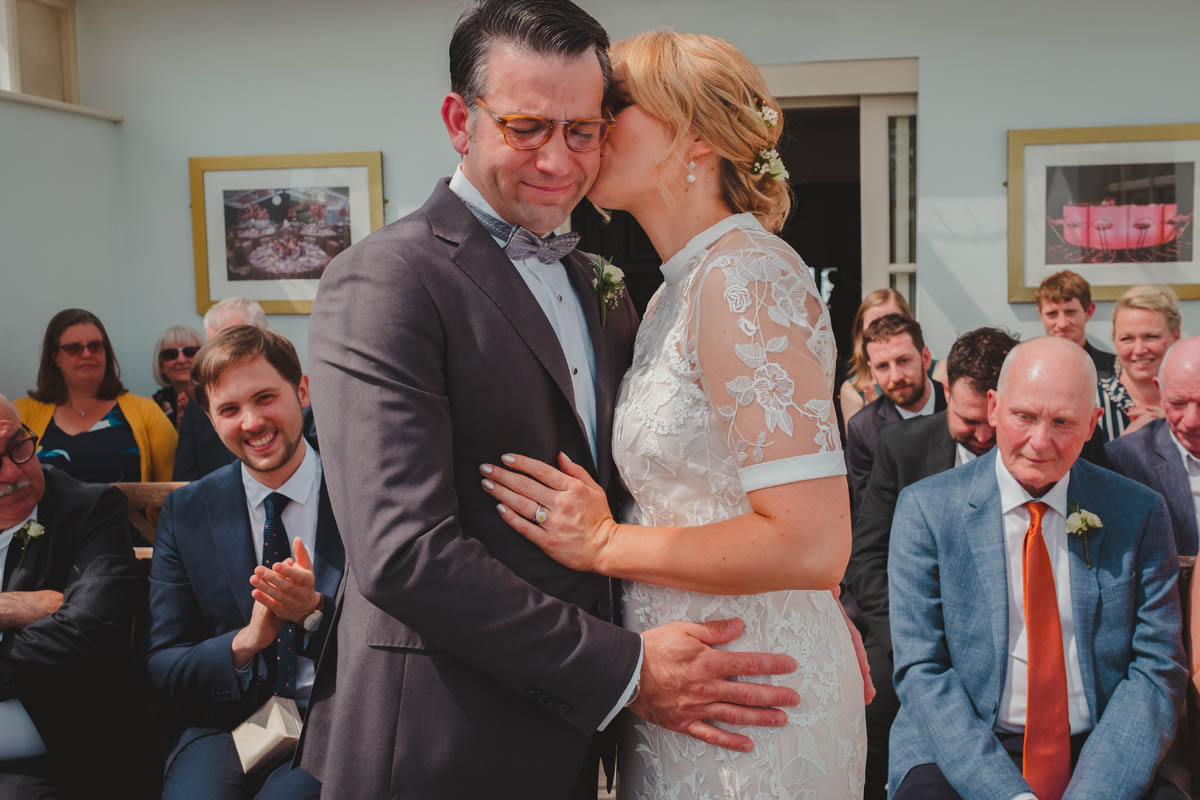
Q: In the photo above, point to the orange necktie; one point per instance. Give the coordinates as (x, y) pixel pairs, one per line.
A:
(1047, 754)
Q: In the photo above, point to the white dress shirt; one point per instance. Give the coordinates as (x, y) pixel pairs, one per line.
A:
(553, 291)
(19, 737)
(962, 455)
(299, 516)
(925, 410)
(1191, 465)
(1013, 699)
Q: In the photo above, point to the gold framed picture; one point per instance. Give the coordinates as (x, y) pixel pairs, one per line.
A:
(1117, 205)
(265, 227)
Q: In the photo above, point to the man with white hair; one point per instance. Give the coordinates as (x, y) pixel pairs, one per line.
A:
(200, 450)
(1034, 611)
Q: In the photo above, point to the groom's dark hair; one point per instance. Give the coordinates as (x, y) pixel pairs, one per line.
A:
(544, 27)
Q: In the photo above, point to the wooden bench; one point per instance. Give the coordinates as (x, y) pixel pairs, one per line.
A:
(145, 501)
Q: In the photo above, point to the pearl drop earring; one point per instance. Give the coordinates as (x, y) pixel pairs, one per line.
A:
(691, 178)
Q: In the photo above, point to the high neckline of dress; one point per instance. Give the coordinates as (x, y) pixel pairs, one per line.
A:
(678, 266)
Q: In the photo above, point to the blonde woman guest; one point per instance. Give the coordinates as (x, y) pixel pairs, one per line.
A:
(87, 424)
(1146, 322)
(172, 368)
(724, 430)
(859, 389)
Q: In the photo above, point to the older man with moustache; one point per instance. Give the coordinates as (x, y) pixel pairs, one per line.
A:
(1035, 615)
(69, 588)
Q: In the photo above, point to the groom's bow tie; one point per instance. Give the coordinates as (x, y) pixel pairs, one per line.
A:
(524, 243)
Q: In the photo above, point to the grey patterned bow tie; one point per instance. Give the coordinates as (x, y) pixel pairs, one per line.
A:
(523, 243)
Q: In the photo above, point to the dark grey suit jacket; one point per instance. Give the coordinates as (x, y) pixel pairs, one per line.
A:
(1150, 456)
(908, 451)
(862, 437)
(464, 661)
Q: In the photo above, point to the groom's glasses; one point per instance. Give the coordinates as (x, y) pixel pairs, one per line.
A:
(529, 132)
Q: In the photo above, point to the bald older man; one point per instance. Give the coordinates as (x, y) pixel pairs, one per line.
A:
(1032, 662)
(69, 717)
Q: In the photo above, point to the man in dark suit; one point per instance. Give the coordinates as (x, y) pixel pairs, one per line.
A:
(68, 593)
(200, 450)
(1064, 303)
(236, 614)
(900, 364)
(909, 451)
(465, 662)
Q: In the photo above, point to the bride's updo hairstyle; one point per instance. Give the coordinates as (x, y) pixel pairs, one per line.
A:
(701, 85)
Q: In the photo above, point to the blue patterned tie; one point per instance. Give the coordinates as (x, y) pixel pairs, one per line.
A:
(276, 548)
(521, 243)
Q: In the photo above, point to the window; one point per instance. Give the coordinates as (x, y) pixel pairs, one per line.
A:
(37, 49)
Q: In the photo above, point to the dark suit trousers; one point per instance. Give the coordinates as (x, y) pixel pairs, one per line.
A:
(208, 767)
(880, 715)
(28, 779)
(926, 782)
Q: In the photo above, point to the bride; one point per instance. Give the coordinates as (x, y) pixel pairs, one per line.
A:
(724, 431)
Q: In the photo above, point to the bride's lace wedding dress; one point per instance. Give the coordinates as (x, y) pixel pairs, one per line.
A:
(729, 392)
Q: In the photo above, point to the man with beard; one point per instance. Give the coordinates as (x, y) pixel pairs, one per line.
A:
(900, 364)
(908, 452)
(236, 614)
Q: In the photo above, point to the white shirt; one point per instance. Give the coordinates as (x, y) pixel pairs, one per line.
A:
(1013, 699)
(299, 517)
(553, 291)
(18, 735)
(962, 455)
(925, 410)
(1192, 466)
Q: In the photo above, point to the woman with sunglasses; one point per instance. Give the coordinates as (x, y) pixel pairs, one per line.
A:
(87, 424)
(172, 370)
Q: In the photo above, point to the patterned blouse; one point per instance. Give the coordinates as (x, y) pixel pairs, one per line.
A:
(1116, 402)
(105, 454)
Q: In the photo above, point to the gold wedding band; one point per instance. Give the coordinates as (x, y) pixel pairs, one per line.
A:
(541, 515)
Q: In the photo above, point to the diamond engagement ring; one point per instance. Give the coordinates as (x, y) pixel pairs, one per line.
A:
(541, 515)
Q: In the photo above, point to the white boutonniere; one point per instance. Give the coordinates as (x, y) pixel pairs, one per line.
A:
(1079, 522)
(27, 533)
(609, 282)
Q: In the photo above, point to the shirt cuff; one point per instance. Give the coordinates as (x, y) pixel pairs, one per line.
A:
(633, 682)
(247, 671)
(1025, 796)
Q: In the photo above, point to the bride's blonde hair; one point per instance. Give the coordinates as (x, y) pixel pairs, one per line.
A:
(701, 85)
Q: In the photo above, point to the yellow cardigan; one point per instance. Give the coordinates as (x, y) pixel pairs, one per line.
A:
(155, 435)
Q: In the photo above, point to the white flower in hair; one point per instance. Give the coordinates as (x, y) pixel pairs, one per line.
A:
(769, 163)
(768, 115)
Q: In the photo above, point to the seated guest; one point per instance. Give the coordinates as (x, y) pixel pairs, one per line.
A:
(859, 388)
(88, 425)
(69, 719)
(1064, 302)
(899, 362)
(237, 615)
(1145, 324)
(172, 370)
(909, 451)
(200, 449)
(1032, 662)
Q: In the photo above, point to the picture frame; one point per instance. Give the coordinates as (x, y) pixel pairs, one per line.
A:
(1115, 204)
(265, 227)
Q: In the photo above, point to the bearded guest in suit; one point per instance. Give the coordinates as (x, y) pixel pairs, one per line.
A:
(69, 717)
(247, 561)
(900, 364)
(1034, 610)
(909, 451)
(465, 662)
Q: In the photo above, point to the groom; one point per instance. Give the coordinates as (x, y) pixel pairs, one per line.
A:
(1031, 661)
(465, 662)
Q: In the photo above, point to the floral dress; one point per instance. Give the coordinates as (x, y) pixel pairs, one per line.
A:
(730, 392)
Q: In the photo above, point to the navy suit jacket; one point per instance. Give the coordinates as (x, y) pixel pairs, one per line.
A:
(200, 598)
(200, 450)
(1150, 456)
(862, 437)
(947, 575)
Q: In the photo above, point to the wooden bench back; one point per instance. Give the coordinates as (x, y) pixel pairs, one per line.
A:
(145, 501)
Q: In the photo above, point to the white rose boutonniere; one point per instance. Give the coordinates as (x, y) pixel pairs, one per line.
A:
(27, 533)
(609, 282)
(1079, 522)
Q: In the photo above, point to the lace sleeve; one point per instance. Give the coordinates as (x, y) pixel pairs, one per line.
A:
(766, 354)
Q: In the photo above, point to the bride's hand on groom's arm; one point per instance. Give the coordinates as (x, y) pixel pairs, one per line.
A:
(575, 523)
(685, 684)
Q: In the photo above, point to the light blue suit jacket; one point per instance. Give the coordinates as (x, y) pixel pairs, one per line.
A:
(949, 601)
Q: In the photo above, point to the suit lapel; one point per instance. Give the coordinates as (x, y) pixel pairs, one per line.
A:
(942, 452)
(229, 527)
(983, 524)
(1173, 477)
(329, 559)
(1085, 590)
(26, 578)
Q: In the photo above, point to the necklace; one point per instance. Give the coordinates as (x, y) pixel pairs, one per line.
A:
(71, 406)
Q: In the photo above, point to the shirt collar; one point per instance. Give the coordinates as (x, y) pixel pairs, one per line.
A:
(925, 410)
(963, 455)
(466, 191)
(1190, 462)
(679, 265)
(15, 528)
(299, 488)
(1013, 494)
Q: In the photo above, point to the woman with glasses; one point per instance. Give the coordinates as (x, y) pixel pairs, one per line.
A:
(172, 370)
(87, 424)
